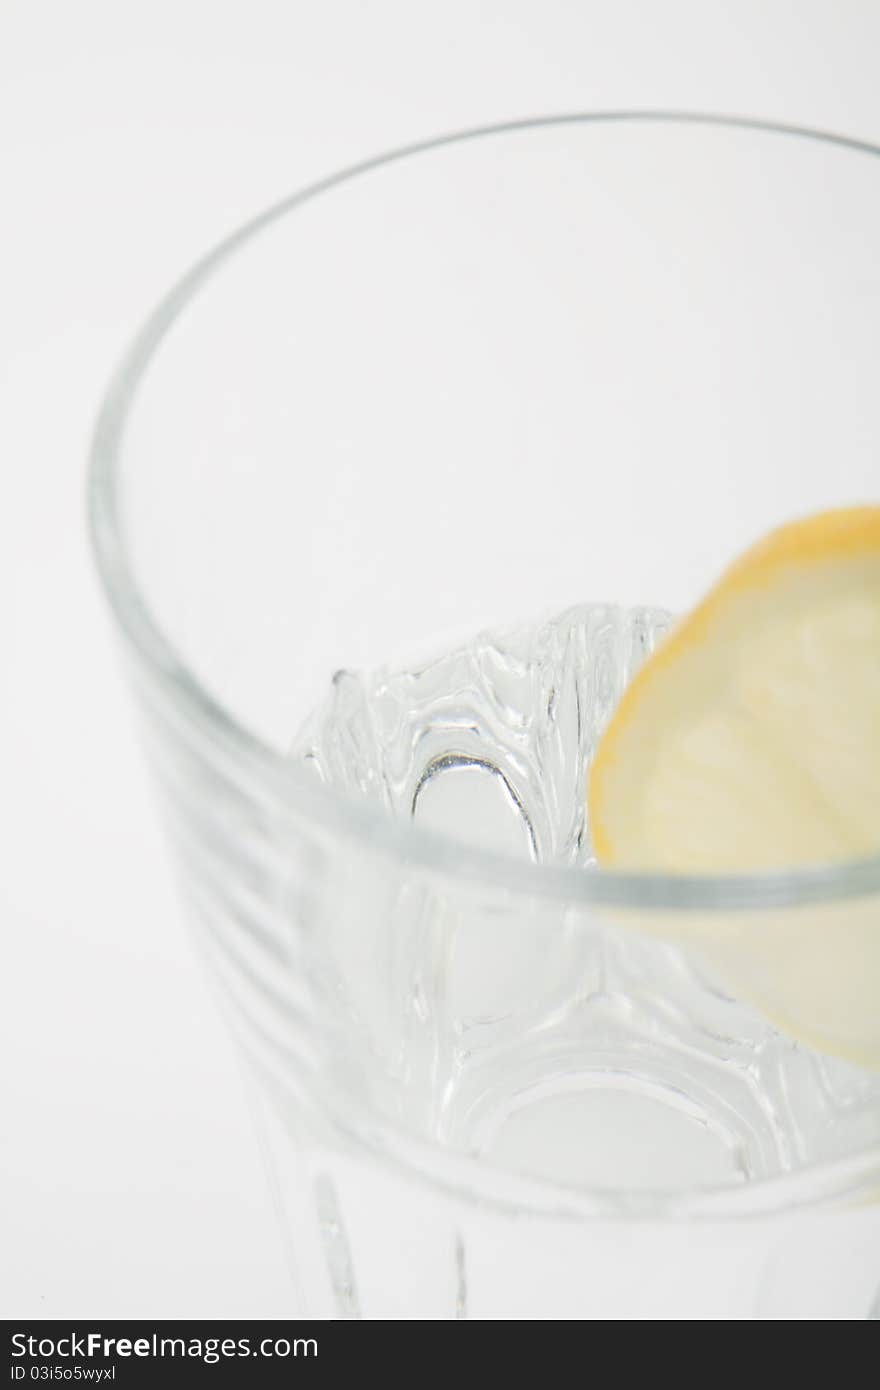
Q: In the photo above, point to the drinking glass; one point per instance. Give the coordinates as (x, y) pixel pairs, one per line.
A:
(390, 496)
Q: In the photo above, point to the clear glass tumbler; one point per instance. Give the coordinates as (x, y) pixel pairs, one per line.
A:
(492, 377)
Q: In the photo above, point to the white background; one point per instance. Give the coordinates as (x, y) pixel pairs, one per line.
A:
(131, 136)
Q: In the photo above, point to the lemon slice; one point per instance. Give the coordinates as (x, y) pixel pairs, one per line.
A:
(750, 741)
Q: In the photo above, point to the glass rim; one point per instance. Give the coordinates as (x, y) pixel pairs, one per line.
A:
(268, 769)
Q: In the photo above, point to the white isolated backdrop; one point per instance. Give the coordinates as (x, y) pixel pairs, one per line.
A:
(131, 137)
